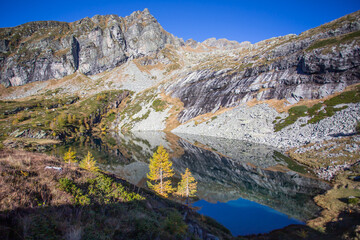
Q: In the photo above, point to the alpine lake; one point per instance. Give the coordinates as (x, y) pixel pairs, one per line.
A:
(249, 188)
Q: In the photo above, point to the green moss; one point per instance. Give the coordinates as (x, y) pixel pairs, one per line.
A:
(292, 165)
(314, 109)
(327, 112)
(294, 114)
(354, 200)
(321, 43)
(111, 117)
(345, 97)
(143, 117)
(158, 105)
(133, 109)
(320, 110)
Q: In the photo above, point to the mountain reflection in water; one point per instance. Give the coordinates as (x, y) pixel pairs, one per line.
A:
(226, 170)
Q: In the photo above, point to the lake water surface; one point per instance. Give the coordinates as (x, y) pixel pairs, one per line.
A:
(249, 188)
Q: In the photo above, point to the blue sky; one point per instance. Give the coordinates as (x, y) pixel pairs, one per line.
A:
(235, 20)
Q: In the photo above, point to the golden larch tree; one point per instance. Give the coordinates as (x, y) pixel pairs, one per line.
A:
(70, 157)
(160, 171)
(187, 185)
(89, 163)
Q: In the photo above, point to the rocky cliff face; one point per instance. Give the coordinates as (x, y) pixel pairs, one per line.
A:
(39, 51)
(312, 65)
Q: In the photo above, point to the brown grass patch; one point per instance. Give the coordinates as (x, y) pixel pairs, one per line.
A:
(74, 78)
(4, 92)
(61, 52)
(177, 106)
(198, 49)
(147, 68)
(36, 141)
(24, 181)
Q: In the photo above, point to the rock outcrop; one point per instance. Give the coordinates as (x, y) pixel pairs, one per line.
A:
(256, 124)
(313, 65)
(224, 43)
(39, 51)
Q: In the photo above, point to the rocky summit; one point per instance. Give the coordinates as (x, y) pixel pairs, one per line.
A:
(39, 51)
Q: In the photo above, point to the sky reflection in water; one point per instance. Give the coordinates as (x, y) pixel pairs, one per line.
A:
(244, 217)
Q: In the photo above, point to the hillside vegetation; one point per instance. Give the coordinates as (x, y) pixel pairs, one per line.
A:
(44, 198)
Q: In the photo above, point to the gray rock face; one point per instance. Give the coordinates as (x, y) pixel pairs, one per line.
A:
(290, 67)
(255, 124)
(39, 51)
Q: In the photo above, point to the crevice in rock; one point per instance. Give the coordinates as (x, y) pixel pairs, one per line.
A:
(75, 50)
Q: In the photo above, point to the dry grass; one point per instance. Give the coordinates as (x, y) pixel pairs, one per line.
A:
(73, 79)
(148, 68)
(199, 49)
(37, 141)
(61, 52)
(26, 183)
(333, 203)
(6, 92)
(278, 105)
(33, 207)
(177, 106)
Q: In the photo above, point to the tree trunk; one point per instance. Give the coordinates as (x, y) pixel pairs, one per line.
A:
(161, 181)
(187, 191)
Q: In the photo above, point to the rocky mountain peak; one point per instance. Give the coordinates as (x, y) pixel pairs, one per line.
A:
(39, 51)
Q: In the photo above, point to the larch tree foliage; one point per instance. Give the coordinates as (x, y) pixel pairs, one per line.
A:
(89, 163)
(187, 185)
(160, 172)
(70, 157)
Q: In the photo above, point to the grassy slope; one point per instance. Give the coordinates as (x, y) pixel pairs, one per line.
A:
(39, 203)
(57, 118)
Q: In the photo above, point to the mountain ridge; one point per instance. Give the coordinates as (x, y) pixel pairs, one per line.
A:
(49, 49)
(195, 82)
